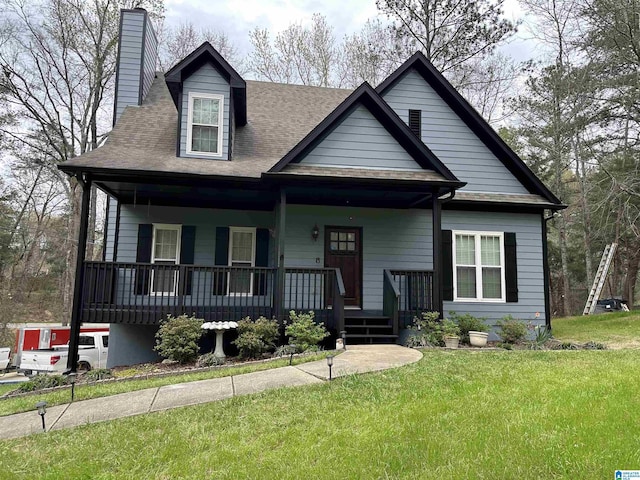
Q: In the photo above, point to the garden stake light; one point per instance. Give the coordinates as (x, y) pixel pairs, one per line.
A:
(292, 350)
(343, 334)
(72, 379)
(330, 363)
(42, 409)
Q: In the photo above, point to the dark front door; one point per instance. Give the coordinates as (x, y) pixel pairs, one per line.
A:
(343, 250)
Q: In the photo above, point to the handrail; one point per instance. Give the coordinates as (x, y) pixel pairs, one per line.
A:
(338, 300)
(391, 299)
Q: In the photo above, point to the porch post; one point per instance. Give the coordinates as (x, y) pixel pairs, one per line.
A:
(76, 312)
(280, 229)
(436, 224)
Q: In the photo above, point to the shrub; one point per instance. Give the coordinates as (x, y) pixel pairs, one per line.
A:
(594, 346)
(98, 374)
(42, 381)
(209, 360)
(468, 323)
(177, 338)
(304, 332)
(427, 331)
(542, 337)
(256, 337)
(512, 330)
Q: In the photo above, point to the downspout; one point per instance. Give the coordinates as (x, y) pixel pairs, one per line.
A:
(545, 270)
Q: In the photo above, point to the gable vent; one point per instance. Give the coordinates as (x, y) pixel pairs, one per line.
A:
(415, 122)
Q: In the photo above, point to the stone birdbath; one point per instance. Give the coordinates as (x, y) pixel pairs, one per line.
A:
(219, 328)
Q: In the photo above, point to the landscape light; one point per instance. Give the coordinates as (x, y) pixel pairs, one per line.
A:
(42, 409)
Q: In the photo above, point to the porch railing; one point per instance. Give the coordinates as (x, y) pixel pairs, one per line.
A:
(145, 293)
(391, 299)
(415, 293)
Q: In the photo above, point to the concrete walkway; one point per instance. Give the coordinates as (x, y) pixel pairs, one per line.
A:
(357, 359)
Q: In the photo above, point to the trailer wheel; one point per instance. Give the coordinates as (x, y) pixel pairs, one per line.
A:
(83, 367)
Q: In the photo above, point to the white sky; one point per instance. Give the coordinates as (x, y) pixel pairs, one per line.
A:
(238, 17)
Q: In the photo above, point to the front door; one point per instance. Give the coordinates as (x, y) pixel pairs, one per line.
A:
(343, 250)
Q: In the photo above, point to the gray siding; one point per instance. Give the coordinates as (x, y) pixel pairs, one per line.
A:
(131, 344)
(130, 69)
(361, 141)
(528, 232)
(150, 58)
(390, 239)
(205, 80)
(450, 138)
(205, 221)
(111, 229)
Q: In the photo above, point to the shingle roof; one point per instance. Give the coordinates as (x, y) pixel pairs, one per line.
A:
(410, 175)
(527, 199)
(279, 116)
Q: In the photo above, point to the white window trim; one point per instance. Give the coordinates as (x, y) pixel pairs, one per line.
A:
(165, 226)
(220, 98)
(478, 266)
(233, 230)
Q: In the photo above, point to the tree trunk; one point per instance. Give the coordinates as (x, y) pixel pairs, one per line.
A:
(564, 260)
(91, 234)
(71, 250)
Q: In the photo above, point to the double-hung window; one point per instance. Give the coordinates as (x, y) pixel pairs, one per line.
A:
(165, 253)
(242, 248)
(204, 124)
(479, 273)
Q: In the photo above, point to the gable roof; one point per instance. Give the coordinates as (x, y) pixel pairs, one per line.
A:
(202, 55)
(366, 96)
(472, 119)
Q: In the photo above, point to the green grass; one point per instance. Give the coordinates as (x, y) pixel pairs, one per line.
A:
(615, 329)
(9, 406)
(486, 415)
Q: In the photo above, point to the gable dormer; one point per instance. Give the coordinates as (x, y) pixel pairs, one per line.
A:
(211, 100)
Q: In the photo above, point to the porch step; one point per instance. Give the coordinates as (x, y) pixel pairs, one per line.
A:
(366, 327)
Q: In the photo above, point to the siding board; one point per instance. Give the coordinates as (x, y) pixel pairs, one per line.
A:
(450, 138)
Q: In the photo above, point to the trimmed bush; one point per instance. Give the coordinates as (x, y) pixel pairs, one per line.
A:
(256, 337)
(468, 323)
(512, 330)
(177, 339)
(426, 330)
(304, 332)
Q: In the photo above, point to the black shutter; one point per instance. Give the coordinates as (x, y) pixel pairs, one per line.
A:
(221, 259)
(415, 122)
(447, 265)
(510, 267)
(187, 252)
(143, 255)
(262, 260)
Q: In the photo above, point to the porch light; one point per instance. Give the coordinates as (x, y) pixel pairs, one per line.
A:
(343, 334)
(330, 364)
(42, 410)
(72, 377)
(315, 232)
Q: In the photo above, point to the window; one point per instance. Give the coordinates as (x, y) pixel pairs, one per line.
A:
(165, 252)
(242, 248)
(342, 242)
(204, 124)
(478, 259)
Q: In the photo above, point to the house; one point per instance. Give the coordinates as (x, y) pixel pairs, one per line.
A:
(230, 197)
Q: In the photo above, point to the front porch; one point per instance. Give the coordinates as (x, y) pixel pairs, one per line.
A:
(145, 293)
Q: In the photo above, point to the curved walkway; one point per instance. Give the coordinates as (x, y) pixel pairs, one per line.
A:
(356, 359)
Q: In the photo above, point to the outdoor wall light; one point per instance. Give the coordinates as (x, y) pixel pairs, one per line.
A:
(315, 232)
(42, 409)
(343, 334)
(72, 377)
(330, 364)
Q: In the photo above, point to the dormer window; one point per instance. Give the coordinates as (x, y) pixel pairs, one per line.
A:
(204, 127)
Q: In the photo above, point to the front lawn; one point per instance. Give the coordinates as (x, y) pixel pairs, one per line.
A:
(616, 330)
(464, 414)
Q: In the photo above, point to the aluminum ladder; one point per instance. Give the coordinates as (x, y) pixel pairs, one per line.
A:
(601, 276)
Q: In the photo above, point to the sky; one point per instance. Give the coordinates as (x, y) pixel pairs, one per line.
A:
(238, 17)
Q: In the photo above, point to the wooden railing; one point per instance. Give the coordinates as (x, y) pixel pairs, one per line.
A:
(146, 293)
(415, 293)
(317, 290)
(391, 299)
